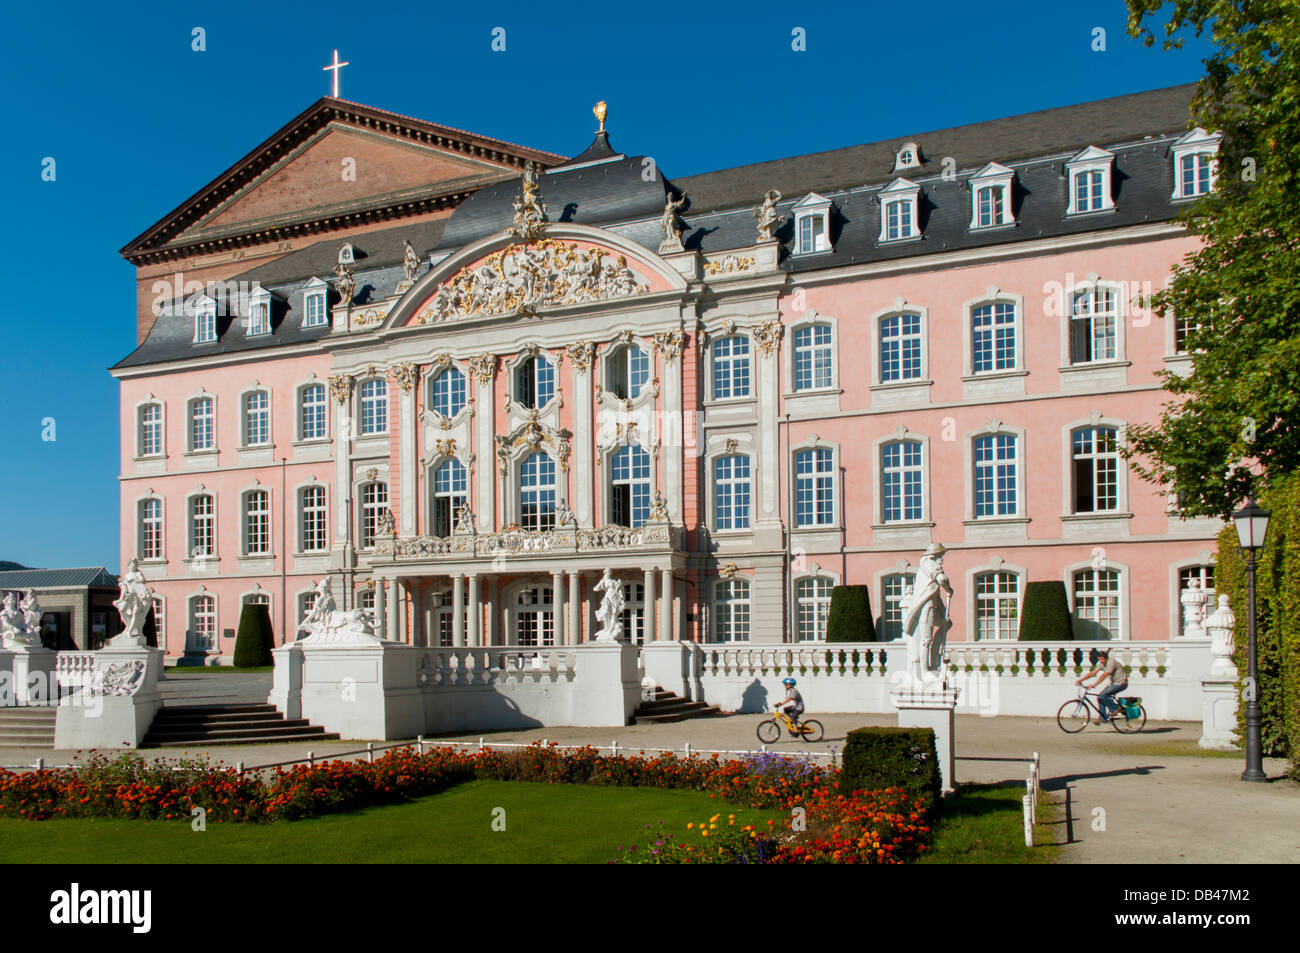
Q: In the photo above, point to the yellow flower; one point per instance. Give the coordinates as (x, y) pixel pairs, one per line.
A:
(689, 826)
(714, 818)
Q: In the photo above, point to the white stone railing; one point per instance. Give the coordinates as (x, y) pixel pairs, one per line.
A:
(518, 542)
(106, 675)
(1149, 660)
(75, 669)
(739, 659)
(440, 667)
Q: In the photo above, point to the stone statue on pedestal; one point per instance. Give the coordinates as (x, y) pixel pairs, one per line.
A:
(610, 612)
(672, 225)
(1193, 601)
(133, 603)
(16, 628)
(925, 621)
(768, 220)
(325, 623)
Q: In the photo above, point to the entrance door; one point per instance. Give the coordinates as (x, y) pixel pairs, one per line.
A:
(634, 612)
(534, 617)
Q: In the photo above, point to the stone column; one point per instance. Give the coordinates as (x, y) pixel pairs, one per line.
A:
(458, 610)
(483, 371)
(406, 505)
(673, 450)
(391, 610)
(575, 610)
(341, 394)
(666, 609)
(475, 613)
(494, 612)
(558, 621)
(651, 633)
(399, 605)
(381, 607)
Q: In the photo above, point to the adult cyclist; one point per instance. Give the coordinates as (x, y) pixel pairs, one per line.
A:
(1106, 667)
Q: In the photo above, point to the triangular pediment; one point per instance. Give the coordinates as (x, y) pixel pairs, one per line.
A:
(1092, 154)
(994, 170)
(900, 185)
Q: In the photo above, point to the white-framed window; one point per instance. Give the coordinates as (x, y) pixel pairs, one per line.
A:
(731, 367)
(534, 382)
(629, 487)
(899, 211)
(259, 315)
(374, 406)
(151, 528)
(731, 610)
(991, 196)
(448, 391)
(313, 413)
(374, 500)
(812, 224)
(627, 371)
(1089, 175)
(1094, 325)
(203, 623)
(1097, 609)
(306, 601)
(205, 321)
(812, 599)
(814, 357)
(449, 494)
(151, 430)
(1183, 328)
(891, 603)
(1095, 462)
(731, 492)
(259, 598)
(313, 536)
(160, 622)
(535, 616)
(900, 347)
(996, 479)
(908, 156)
(902, 481)
(257, 419)
(537, 492)
(314, 304)
(1195, 164)
(202, 424)
(257, 523)
(993, 337)
(1204, 575)
(633, 617)
(203, 528)
(814, 487)
(997, 605)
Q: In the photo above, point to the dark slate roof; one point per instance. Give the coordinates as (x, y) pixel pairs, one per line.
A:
(57, 578)
(604, 188)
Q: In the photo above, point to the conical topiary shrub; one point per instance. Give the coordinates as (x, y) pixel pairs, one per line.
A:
(849, 619)
(1045, 613)
(255, 639)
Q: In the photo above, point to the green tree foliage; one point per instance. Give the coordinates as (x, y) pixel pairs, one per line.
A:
(1277, 635)
(1045, 613)
(849, 619)
(1241, 401)
(255, 638)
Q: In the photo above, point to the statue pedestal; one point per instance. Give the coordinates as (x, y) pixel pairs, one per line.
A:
(931, 708)
(27, 676)
(364, 690)
(1219, 712)
(606, 687)
(117, 700)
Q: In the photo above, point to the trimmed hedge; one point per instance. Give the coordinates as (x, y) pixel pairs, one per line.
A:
(906, 758)
(255, 638)
(1045, 613)
(1277, 615)
(849, 619)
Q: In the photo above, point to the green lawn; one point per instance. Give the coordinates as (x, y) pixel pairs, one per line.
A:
(984, 824)
(544, 823)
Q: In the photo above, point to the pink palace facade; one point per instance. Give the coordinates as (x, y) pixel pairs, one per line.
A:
(942, 342)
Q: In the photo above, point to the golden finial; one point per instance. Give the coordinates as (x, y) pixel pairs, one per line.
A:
(600, 112)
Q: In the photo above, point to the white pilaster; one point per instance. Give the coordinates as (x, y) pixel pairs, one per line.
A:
(575, 609)
(458, 610)
(399, 603)
(673, 451)
(381, 606)
(651, 633)
(485, 458)
(559, 624)
(342, 529)
(666, 607)
(583, 444)
(391, 609)
(475, 613)
(768, 390)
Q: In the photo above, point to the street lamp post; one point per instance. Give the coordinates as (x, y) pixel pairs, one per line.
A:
(1252, 528)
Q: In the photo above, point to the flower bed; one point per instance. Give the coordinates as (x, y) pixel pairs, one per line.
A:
(823, 826)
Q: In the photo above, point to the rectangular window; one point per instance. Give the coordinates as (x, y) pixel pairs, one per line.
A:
(257, 419)
(731, 611)
(259, 320)
(900, 348)
(731, 368)
(990, 202)
(1094, 320)
(813, 603)
(997, 605)
(898, 219)
(1195, 174)
(731, 493)
(1096, 470)
(205, 326)
(202, 538)
(314, 537)
(993, 337)
(812, 357)
(814, 488)
(205, 622)
(1088, 191)
(312, 416)
(893, 588)
(374, 407)
(902, 481)
(257, 523)
(151, 529)
(202, 424)
(315, 305)
(1097, 604)
(374, 500)
(151, 433)
(995, 476)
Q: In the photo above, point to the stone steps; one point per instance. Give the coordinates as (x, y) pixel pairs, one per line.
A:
(208, 725)
(27, 727)
(665, 706)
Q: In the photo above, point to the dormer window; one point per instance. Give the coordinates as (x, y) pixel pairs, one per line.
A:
(1089, 174)
(907, 157)
(259, 312)
(205, 321)
(1195, 165)
(313, 304)
(346, 255)
(898, 211)
(812, 224)
(991, 196)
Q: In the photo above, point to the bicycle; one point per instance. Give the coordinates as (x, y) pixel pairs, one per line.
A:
(1127, 716)
(769, 731)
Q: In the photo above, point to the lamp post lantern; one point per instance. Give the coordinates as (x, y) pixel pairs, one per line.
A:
(1251, 522)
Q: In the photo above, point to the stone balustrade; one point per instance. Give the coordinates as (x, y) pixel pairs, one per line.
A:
(654, 536)
(442, 667)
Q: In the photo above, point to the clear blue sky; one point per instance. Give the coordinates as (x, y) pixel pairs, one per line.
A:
(137, 122)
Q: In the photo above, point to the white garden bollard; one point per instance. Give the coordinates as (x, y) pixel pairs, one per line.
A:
(1029, 824)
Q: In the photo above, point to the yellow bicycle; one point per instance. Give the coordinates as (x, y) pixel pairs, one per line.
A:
(769, 731)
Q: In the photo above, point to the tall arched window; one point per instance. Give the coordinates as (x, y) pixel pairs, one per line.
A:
(374, 406)
(257, 419)
(1097, 607)
(995, 476)
(902, 482)
(202, 427)
(203, 539)
(812, 597)
(1095, 458)
(534, 382)
(449, 393)
(629, 490)
(993, 337)
(203, 623)
(731, 492)
(627, 370)
(537, 493)
(257, 523)
(311, 502)
(814, 487)
(1094, 325)
(892, 588)
(997, 605)
(731, 610)
(449, 494)
(374, 500)
(151, 529)
(151, 430)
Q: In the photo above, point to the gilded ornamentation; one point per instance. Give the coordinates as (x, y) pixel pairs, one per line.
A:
(658, 508)
(445, 448)
(483, 368)
(768, 335)
(731, 445)
(345, 283)
(341, 388)
(371, 474)
(728, 571)
(441, 360)
(405, 374)
(533, 434)
(581, 353)
(669, 344)
(728, 264)
(522, 279)
(369, 318)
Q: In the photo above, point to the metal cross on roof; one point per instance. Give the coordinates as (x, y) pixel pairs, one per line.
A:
(335, 66)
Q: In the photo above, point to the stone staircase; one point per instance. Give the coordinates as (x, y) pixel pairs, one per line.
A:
(209, 725)
(665, 706)
(27, 727)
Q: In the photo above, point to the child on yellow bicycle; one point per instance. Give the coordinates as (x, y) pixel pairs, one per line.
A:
(792, 704)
